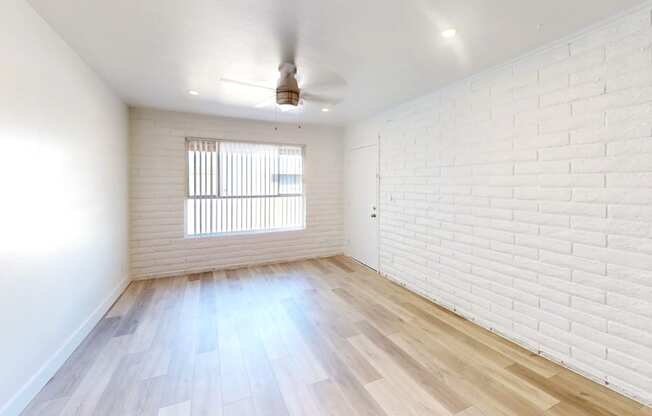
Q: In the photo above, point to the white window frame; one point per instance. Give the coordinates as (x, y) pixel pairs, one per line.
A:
(218, 196)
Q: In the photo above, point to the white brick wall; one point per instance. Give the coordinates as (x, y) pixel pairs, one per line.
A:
(158, 246)
(521, 198)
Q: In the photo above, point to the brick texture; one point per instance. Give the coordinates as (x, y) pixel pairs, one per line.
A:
(520, 198)
(157, 195)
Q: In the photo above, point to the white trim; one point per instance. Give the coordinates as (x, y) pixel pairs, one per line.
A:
(362, 146)
(246, 232)
(33, 386)
(271, 143)
(378, 209)
(237, 266)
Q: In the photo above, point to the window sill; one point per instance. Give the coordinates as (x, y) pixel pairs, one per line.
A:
(244, 233)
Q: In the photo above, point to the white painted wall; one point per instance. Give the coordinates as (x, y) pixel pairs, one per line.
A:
(63, 213)
(158, 245)
(522, 199)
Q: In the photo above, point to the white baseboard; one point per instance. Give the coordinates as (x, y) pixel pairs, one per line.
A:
(233, 266)
(21, 399)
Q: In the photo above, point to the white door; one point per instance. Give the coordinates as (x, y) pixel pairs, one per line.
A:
(363, 205)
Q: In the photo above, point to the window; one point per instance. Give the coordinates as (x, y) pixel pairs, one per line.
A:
(236, 187)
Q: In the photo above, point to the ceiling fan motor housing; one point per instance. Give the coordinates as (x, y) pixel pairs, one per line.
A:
(287, 90)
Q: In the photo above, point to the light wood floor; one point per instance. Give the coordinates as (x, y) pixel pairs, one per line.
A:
(319, 337)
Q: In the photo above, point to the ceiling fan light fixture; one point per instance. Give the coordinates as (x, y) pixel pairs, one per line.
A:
(287, 97)
(287, 89)
(287, 107)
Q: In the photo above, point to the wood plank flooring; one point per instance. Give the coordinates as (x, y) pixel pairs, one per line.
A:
(318, 337)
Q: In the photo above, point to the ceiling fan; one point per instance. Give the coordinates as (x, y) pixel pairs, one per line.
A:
(289, 96)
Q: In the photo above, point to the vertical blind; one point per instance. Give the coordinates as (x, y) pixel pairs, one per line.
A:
(240, 187)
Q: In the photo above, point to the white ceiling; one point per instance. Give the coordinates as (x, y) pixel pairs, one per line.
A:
(386, 51)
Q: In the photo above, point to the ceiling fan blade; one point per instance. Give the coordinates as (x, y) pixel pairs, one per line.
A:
(245, 83)
(321, 99)
(332, 86)
(266, 103)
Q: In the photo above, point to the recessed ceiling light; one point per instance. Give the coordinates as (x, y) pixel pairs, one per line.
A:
(325, 110)
(193, 92)
(449, 33)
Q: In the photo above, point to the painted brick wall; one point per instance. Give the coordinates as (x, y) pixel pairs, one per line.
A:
(158, 246)
(521, 198)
